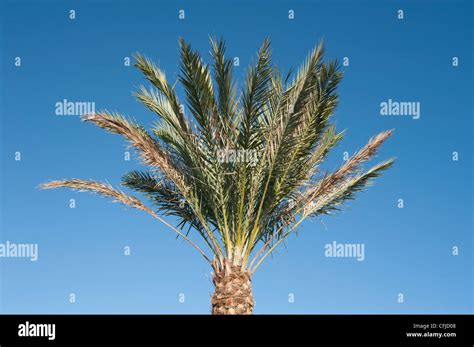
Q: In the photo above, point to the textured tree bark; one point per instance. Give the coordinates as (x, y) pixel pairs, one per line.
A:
(232, 290)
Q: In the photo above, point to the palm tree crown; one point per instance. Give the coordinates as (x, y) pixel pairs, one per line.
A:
(240, 168)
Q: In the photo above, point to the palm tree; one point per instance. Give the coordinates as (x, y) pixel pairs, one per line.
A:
(241, 170)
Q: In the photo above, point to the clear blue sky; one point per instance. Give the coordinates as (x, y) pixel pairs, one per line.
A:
(407, 250)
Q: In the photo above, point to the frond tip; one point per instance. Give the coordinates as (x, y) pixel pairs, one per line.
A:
(97, 187)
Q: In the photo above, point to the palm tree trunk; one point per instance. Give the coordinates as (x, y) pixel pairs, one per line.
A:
(232, 290)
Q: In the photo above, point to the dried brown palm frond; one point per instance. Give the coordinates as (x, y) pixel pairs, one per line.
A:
(351, 167)
(150, 151)
(118, 196)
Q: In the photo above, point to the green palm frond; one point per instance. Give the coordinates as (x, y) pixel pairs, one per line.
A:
(226, 95)
(255, 96)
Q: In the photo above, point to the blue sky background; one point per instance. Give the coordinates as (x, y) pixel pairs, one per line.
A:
(407, 250)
